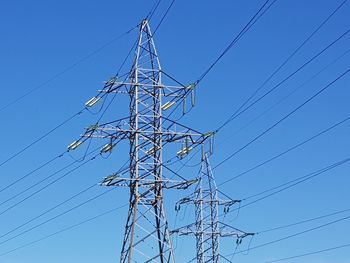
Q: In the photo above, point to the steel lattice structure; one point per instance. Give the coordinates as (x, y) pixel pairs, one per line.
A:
(207, 227)
(149, 131)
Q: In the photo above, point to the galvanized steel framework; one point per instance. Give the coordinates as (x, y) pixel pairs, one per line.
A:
(207, 228)
(149, 129)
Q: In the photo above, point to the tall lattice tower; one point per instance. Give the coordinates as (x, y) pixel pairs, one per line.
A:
(149, 131)
(207, 228)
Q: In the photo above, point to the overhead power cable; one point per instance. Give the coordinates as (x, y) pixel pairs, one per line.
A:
(284, 63)
(250, 23)
(310, 253)
(288, 150)
(299, 180)
(15, 181)
(67, 69)
(153, 9)
(293, 183)
(163, 17)
(272, 106)
(232, 117)
(47, 185)
(283, 187)
(52, 182)
(46, 177)
(41, 138)
(284, 118)
(64, 230)
(304, 221)
(292, 235)
(289, 185)
(48, 211)
(57, 216)
(36, 184)
(32, 172)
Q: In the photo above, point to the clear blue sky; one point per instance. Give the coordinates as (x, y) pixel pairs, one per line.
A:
(39, 39)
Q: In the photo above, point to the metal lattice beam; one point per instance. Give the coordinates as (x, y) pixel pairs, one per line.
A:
(149, 130)
(207, 227)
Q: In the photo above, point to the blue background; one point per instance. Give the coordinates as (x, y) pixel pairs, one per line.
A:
(42, 38)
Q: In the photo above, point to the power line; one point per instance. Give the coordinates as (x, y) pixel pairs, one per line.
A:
(42, 166)
(35, 184)
(67, 69)
(45, 178)
(163, 17)
(300, 179)
(288, 150)
(64, 229)
(284, 63)
(293, 235)
(250, 23)
(232, 117)
(48, 211)
(310, 253)
(290, 184)
(303, 221)
(296, 182)
(45, 135)
(41, 137)
(284, 118)
(47, 185)
(57, 216)
(153, 9)
(289, 94)
(32, 172)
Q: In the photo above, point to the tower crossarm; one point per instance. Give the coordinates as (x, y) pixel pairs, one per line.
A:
(171, 92)
(172, 132)
(192, 200)
(116, 180)
(224, 230)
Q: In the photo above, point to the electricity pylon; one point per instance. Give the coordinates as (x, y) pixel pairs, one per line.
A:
(149, 131)
(207, 228)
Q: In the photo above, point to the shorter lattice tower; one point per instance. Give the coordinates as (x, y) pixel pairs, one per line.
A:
(207, 228)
